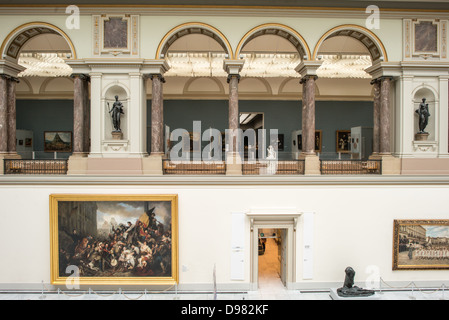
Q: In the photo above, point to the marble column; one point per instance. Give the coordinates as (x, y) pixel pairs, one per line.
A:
(3, 114)
(234, 122)
(81, 115)
(384, 131)
(157, 115)
(308, 115)
(376, 116)
(12, 114)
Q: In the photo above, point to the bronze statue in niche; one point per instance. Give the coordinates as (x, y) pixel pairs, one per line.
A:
(116, 112)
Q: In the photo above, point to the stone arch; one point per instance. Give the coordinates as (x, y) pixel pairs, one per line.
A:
(365, 36)
(193, 28)
(65, 83)
(213, 81)
(279, 30)
(260, 83)
(17, 38)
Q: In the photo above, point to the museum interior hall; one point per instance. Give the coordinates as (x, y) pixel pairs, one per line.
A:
(224, 146)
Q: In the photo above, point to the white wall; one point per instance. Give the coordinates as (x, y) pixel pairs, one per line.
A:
(353, 227)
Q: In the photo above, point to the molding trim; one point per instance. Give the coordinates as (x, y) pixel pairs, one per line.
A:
(401, 180)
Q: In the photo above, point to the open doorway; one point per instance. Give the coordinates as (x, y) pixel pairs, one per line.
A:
(272, 258)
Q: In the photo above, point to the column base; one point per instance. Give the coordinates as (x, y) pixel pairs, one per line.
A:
(153, 165)
(390, 165)
(233, 164)
(77, 164)
(7, 156)
(312, 164)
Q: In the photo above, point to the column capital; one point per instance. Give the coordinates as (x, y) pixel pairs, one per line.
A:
(10, 78)
(306, 78)
(230, 76)
(308, 68)
(151, 76)
(233, 67)
(82, 76)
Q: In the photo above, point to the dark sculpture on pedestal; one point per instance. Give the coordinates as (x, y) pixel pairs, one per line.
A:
(424, 114)
(116, 111)
(349, 290)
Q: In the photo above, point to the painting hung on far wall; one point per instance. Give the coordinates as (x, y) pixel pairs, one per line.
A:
(114, 239)
(318, 143)
(58, 141)
(421, 244)
(343, 141)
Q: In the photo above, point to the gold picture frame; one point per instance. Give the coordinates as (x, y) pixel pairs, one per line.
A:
(421, 245)
(343, 144)
(114, 239)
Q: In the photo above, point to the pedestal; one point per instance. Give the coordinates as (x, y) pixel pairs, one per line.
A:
(334, 295)
(117, 135)
(312, 165)
(390, 165)
(7, 156)
(77, 164)
(233, 164)
(153, 165)
(421, 136)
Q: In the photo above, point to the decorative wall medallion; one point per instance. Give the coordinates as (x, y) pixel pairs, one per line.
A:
(426, 36)
(116, 34)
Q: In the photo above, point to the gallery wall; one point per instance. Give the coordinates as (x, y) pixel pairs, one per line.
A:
(282, 115)
(347, 231)
(44, 115)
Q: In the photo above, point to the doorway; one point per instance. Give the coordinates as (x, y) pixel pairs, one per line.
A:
(272, 252)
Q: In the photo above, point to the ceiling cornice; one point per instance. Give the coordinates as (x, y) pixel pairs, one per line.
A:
(204, 10)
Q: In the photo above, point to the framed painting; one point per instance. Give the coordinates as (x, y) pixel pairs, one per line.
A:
(421, 244)
(58, 141)
(343, 141)
(114, 239)
(318, 142)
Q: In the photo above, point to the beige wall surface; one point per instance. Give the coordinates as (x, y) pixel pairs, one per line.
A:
(353, 226)
(153, 29)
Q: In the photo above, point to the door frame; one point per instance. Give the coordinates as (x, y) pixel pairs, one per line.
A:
(274, 221)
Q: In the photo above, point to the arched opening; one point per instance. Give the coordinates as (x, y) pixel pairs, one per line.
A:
(271, 53)
(195, 87)
(346, 94)
(45, 104)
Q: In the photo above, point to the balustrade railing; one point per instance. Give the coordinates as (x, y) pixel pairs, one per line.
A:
(194, 167)
(351, 167)
(29, 167)
(273, 167)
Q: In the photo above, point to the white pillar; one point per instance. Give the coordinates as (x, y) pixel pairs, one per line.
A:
(137, 116)
(97, 122)
(444, 118)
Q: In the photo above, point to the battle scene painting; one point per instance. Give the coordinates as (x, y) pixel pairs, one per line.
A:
(130, 237)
